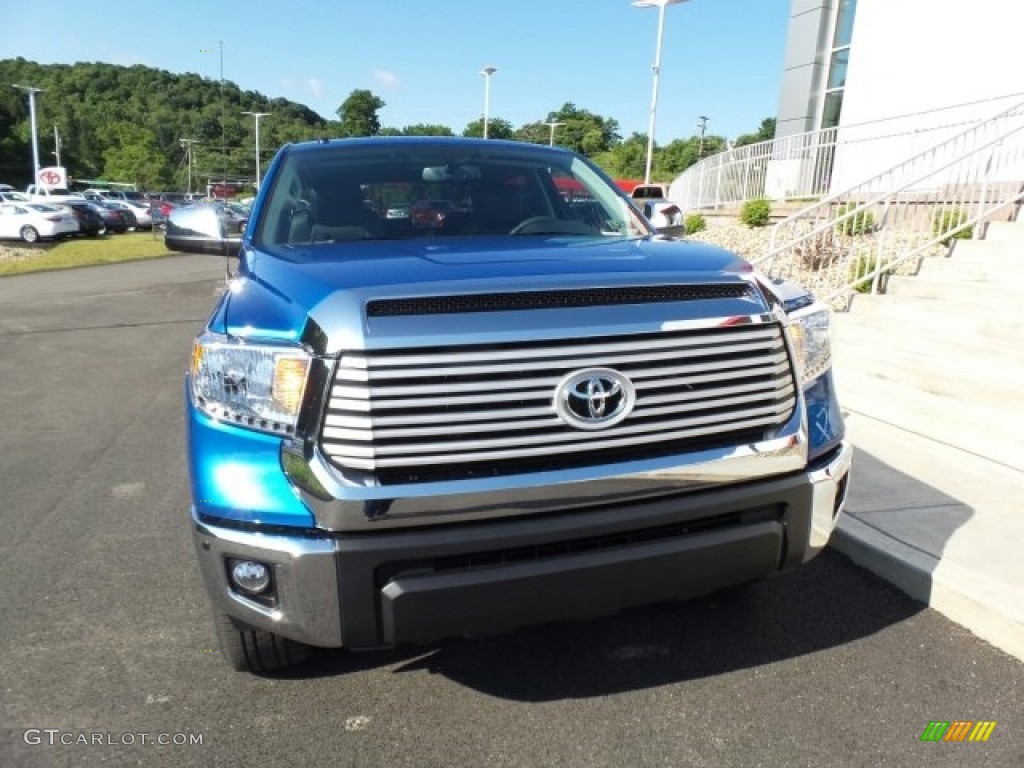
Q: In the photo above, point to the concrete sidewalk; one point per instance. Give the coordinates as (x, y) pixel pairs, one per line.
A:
(930, 374)
(943, 524)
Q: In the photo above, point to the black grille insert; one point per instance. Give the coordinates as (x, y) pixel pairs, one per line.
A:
(564, 299)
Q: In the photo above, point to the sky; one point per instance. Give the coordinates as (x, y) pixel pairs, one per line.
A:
(722, 59)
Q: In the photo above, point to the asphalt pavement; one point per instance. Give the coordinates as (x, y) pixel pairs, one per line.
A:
(106, 634)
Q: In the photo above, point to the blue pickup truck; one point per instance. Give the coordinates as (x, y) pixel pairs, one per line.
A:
(526, 405)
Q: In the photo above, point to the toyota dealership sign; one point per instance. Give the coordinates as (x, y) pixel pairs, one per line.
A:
(54, 177)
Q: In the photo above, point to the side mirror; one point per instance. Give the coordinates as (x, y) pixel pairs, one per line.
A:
(666, 218)
(203, 228)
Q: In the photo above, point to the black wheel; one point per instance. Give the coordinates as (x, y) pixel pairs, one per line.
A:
(29, 234)
(256, 650)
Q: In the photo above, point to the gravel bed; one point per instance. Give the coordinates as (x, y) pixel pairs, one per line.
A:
(840, 259)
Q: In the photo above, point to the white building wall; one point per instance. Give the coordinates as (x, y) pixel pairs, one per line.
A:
(911, 60)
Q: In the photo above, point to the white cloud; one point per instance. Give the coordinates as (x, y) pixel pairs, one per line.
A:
(385, 79)
(315, 86)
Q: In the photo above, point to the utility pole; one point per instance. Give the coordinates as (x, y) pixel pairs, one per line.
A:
(31, 91)
(56, 144)
(703, 124)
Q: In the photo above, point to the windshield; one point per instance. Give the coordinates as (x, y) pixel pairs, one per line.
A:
(391, 190)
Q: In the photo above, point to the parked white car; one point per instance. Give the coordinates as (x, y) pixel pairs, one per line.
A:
(143, 214)
(58, 195)
(34, 221)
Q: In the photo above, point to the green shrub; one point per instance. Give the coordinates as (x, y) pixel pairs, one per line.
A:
(695, 223)
(945, 221)
(858, 224)
(756, 213)
(864, 266)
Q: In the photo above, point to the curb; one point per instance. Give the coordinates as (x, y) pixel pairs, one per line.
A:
(950, 590)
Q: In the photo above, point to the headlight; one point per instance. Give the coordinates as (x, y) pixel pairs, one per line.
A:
(252, 385)
(809, 331)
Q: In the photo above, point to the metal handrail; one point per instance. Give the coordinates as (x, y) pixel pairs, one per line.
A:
(891, 220)
(744, 173)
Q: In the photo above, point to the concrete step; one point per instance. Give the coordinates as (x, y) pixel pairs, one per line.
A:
(976, 269)
(959, 321)
(872, 331)
(1005, 232)
(987, 430)
(950, 286)
(963, 372)
(984, 250)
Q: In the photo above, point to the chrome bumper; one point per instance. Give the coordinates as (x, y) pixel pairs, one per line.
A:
(326, 587)
(829, 484)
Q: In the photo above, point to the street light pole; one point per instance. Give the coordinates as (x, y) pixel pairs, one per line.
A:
(487, 72)
(31, 91)
(553, 124)
(661, 5)
(257, 116)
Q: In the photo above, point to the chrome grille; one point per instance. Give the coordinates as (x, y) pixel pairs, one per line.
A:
(409, 413)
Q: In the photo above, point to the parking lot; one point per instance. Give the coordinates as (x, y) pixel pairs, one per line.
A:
(106, 628)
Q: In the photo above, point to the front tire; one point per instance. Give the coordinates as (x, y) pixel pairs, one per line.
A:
(29, 234)
(248, 649)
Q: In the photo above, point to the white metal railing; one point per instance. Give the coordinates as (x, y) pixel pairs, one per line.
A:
(804, 166)
(852, 240)
(800, 162)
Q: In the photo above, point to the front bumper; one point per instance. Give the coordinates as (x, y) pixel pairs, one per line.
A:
(365, 590)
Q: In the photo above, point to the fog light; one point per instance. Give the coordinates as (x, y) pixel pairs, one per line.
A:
(250, 576)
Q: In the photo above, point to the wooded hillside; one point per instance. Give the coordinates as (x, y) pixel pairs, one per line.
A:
(126, 123)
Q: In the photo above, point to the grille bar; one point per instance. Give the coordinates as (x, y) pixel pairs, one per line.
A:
(565, 350)
(673, 436)
(487, 406)
(550, 420)
(487, 412)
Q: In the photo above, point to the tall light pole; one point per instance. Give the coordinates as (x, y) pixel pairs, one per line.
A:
(553, 124)
(487, 72)
(660, 5)
(31, 91)
(257, 115)
(703, 125)
(187, 145)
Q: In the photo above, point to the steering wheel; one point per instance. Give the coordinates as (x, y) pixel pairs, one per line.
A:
(551, 225)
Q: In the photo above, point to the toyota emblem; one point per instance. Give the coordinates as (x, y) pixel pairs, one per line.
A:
(594, 398)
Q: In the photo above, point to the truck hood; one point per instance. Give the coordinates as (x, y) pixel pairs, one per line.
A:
(318, 294)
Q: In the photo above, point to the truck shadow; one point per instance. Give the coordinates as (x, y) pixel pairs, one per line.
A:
(828, 602)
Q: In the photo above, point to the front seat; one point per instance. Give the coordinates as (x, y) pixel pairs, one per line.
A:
(341, 214)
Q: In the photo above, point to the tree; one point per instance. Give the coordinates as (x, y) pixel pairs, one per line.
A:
(133, 156)
(496, 129)
(627, 159)
(536, 133)
(584, 131)
(765, 132)
(358, 114)
(427, 129)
